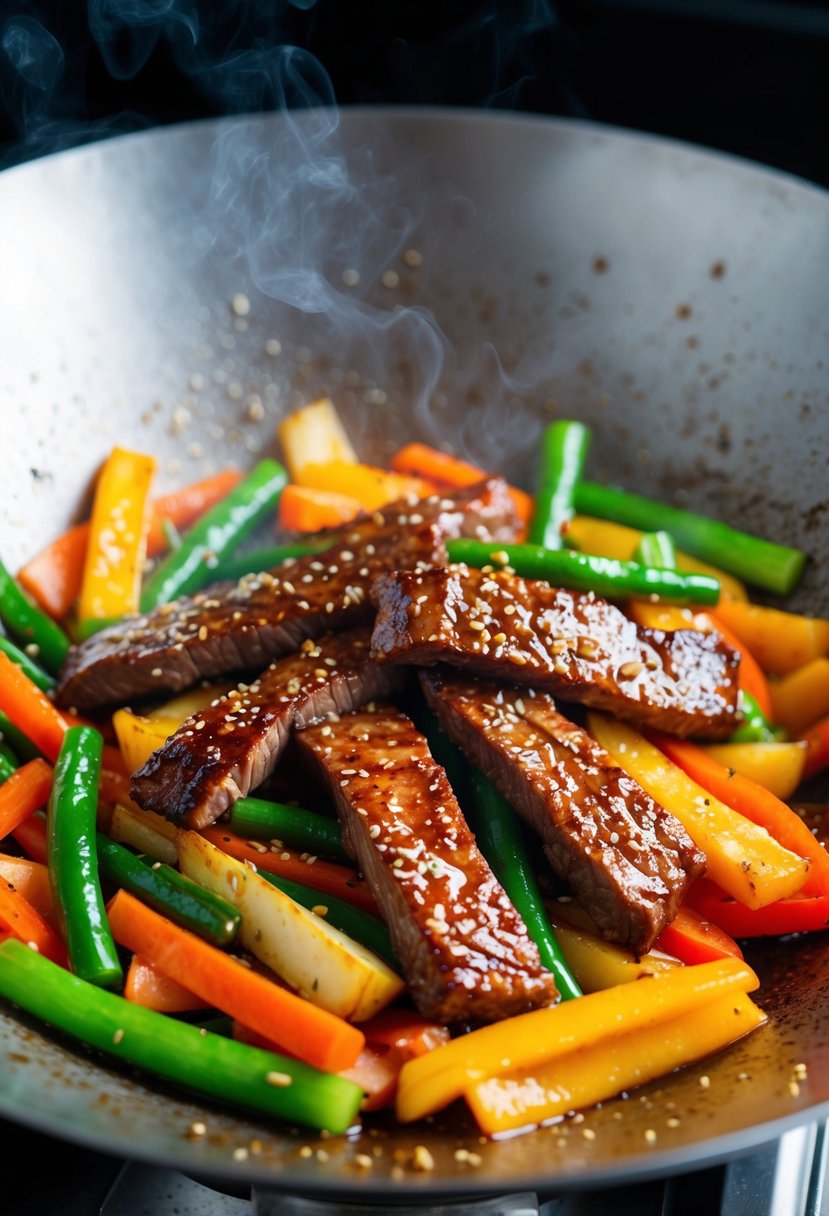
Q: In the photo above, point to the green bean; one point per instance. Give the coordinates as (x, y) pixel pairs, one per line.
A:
(32, 669)
(762, 562)
(564, 447)
(298, 828)
(755, 726)
(170, 893)
(32, 627)
(215, 535)
(246, 1077)
(13, 739)
(584, 572)
(501, 840)
(73, 862)
(656, 549)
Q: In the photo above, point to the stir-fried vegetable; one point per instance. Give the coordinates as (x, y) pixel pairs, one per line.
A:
(292, 825)
(564, 447)
(29, 625)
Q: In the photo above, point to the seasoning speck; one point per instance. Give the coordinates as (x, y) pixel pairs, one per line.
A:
(705, 1082)
(280, 1079)
(422, 1159)
(118, 1036)
(240, 304)
(650, 1135)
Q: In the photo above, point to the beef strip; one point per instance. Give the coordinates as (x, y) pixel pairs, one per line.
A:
(463, 947)
(237, 627)
(231, 747)
(576, 645)
(625, 858)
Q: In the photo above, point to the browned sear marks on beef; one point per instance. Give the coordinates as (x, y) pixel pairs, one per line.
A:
(625, 858)
(462, 945)
(228, 749)
(573, 644)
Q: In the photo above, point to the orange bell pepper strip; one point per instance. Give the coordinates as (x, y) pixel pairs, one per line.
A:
(145, 985)
(755, 803)
(30, 834)
(311, 1034)
(741, 856)
(325, 876)
(780, 641)
(30, 709)
(816, 739)
(800, 698)
(693, 939)
(777, 767)
(31, 879)
(26, 790)
(24, 922)
(799, 914)
(303, 509)
(751, 676)
(601, 1071)
(117, 544)
(53, 576)
(420, 460)
(545, 1036)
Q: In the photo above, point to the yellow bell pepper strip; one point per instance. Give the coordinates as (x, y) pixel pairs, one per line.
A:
(114, 562)
(777, 767)
(801, 698)
(145, 832)
(741, 856)
(432, 1081)
(595, 1074)
(314, 433)
(751, 676)
(753, 802)
(800, 914)
(606, 539)
(368, 485)
(138, 737)
(780, 641)
(597, 964)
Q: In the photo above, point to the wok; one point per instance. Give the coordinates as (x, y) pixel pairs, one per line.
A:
(178, 290)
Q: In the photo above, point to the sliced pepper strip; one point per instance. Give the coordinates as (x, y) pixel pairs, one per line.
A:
(117, 544)
(432, 1081)
(23, 920)
(780, 641)
(777, 767)
(816, 739)
(693, 939)
(749, 863)
(29, 625)
(30, 709)
(26, 790)
(800, 914)
(800, 698)
(755, 803)
(582, 1078)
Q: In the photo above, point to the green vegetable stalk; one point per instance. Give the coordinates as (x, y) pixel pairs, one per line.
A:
(31, 627)
(564, 447)
(298, 828)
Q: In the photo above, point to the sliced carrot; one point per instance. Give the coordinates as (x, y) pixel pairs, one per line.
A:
(26, 790)
(780, 641)
(693, 939)
(324, 876)
(53, 576)
(420, 460)
(370, 486)
(816, 739)
(754, 802)
(26, 923)
(800, 698)
(303, 509)
(30, 834)
(31, 878)
(30, 709)
(752, 678)
(311, 1034)
(146, 985)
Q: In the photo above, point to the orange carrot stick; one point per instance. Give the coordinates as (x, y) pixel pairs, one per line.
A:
(54, 575)
(420, 460)
(26, 790)
(324, 876)
(31, 878)
(306, 1031)
(146, 985)
(752, 677)
(26, 923)
(30, 709)
(755, 803)
(30, 834)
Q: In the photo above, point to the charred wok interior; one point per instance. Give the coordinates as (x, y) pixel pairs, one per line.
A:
(639, 426)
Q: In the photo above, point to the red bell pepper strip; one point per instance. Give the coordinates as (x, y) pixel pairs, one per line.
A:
(693, 939)
(797, 914)
(817, 748)
(755, 803)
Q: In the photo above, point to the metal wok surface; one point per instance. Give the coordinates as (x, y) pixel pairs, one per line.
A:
(461, 278)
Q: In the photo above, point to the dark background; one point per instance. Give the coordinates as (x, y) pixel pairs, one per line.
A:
(745, 76)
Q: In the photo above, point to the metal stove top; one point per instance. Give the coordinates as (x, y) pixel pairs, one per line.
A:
(785, 1178)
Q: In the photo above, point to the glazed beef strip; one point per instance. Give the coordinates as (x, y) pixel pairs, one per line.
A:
(237, 627)
(573, 644)
(626, 860)
(463, 947)
(231, 747)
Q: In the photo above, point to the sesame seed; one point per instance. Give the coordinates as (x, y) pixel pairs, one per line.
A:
(198, 1128)
(118, 1036)
(320, 910)
(650, 1135)
(279, 1079)
(588, 1133)
(422, 1159)
(156, 672)
(705, 1082)
(673, 1121)
(240, 1153)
